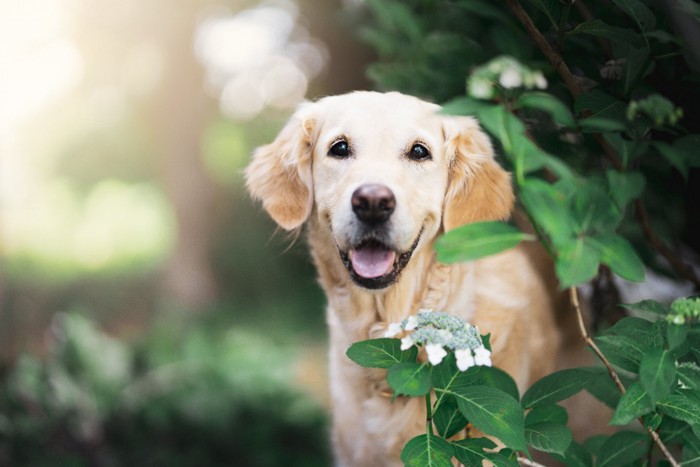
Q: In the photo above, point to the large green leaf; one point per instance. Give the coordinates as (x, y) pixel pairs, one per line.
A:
(549, 437)
(551, 9)
(466, 106)
(683, 404)
(547, 102)
(657, 373)
(547, 413)
(622, 448)
(628, 340)
(650, 306)
(427, 450)
(548, 206)
(617, 253)
(503, 125)
(640, 13)
(689, 375)
(625, 187)
(448, 419)
(477, 240)
(578, 456)
(599, 28)
(492, 411)
(577, 262)
(556, 387)
(634, 403)
(474, 451)
(601, 105)
(380, 353)
(409, 379)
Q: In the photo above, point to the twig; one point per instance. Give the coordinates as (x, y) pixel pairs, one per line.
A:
(613, 374)
(552, 55)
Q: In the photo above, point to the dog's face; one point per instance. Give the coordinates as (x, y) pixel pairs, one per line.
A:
(384, 174)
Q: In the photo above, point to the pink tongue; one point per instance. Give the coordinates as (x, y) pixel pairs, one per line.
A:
(372, 261)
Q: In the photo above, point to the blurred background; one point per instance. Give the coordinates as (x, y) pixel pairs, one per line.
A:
(149, 312)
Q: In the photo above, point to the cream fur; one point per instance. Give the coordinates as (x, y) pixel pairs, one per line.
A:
(511, 295)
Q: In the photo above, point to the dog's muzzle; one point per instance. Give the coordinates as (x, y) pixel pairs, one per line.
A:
(372, 262)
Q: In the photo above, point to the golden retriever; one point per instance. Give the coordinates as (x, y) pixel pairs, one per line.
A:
(377, 178)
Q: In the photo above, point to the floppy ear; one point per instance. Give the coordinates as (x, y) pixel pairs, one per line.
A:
(478, 188)
(280, 172)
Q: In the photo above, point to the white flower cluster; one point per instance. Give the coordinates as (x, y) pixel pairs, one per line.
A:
(508, 73)
(438, 331)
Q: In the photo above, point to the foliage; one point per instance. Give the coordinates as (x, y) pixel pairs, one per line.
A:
(180, 398)
(593, 106)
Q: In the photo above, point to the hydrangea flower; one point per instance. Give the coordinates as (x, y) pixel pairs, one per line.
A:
(506, 72)
(440, 332)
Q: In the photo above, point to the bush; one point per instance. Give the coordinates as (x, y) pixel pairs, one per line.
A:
(593, 107)
(199, 398)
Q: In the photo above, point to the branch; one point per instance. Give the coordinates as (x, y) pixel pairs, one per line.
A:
(552, 55)
(613, 374)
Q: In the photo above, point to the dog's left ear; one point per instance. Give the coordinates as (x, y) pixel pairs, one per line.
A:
(280, 172)
(478, 188)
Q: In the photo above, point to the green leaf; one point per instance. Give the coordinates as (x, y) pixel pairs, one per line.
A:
(684, 404)
(601, 125)
(599, 28)
(492, 411)
(617, 253)
(628, 340)
(548, 206)
(555, 387)
(676, 335)
(625, 187)
(427, 450)
(502, 125)
(657, 373)
(448, 419)
(551, 9)
(380, 353)
(577, 262)
(477, 240)
(547, 102)
(547, 413)
(682, 154)
(651, 306)
(549, 437)
(640, 13)
(603, 388)
(635, 66)
(634, 403)
(474, 451)
(628, 150)
(602, 106)
(578, 456)
(622, 448)
(466, 106)
(409, 379)
(689, 375)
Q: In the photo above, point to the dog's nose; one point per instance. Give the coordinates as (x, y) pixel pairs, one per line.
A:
(373, 204)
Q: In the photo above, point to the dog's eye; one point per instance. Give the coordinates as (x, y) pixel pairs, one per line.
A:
(419, 153)
(339, 149)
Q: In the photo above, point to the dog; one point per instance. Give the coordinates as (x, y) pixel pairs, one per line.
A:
(377, 178)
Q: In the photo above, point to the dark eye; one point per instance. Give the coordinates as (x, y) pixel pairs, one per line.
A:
(339, 149)
(419, 152)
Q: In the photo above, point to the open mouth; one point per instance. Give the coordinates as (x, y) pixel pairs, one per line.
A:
(374, 265)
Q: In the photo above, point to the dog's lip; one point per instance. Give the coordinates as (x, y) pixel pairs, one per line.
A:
(399, 260)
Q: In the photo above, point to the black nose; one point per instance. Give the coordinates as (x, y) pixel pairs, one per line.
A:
(373, 204)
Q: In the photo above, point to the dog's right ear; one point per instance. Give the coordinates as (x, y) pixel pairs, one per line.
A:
(280, 172)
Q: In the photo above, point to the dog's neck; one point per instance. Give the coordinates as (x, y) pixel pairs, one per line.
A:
(424, 283)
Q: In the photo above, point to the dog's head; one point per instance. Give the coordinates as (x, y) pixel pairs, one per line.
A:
(384, 174)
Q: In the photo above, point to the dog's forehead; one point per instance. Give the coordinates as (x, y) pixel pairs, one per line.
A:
(381, 114)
